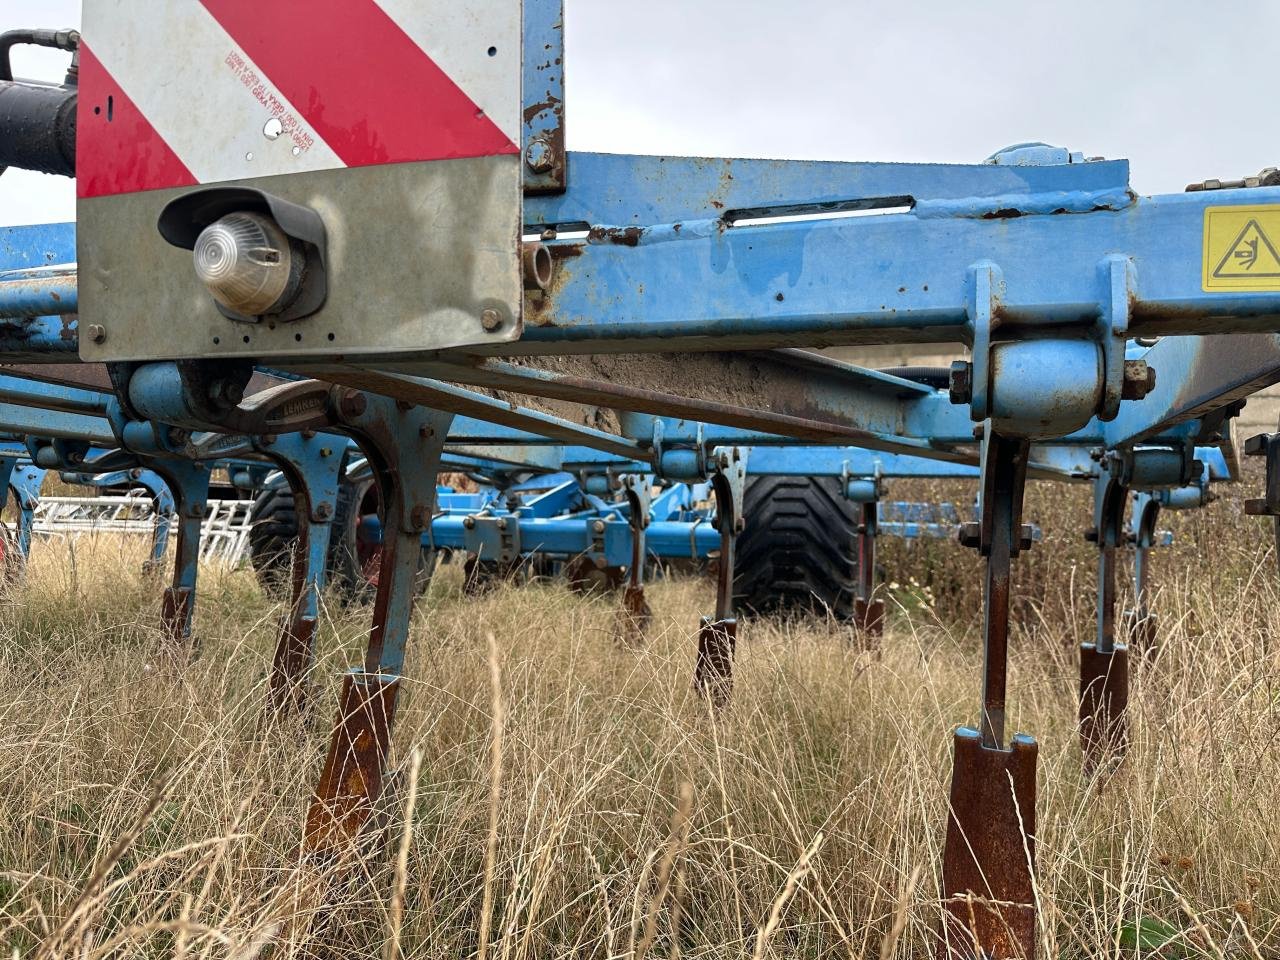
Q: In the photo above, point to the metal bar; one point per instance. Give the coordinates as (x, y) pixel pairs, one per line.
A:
(896, 278)
(1004, 463)
(638, 191)
(450, 399)
(37, 297)
(506, 376)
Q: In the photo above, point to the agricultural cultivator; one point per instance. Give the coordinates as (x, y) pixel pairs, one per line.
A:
(328, 300)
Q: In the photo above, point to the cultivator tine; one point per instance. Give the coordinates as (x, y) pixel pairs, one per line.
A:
(989, 857)
(404, 445)
(1104, 664)
(1267, 445)
(1140, 626)
(717, 637)
(635, 615)
(352, 778)
(713, 671)
(313, 465)
(189, 483)
(868, 612)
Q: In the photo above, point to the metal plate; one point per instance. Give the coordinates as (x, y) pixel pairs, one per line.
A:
(398, 121)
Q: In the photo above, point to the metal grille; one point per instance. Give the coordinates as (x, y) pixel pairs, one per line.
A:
(224, 534)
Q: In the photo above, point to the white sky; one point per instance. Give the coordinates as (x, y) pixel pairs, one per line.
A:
(1180, 87)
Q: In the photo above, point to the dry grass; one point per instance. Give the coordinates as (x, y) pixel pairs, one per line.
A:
(147, 815)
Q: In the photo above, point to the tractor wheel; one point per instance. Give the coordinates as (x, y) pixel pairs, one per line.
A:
(274, 526)
(798, 551)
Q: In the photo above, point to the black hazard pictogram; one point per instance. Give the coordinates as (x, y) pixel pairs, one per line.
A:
(1251, 254)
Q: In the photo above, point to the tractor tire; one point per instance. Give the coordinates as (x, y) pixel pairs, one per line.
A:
(798, 551)
(273, 528)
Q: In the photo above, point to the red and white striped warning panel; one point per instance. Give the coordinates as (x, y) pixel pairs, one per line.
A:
(180, 92)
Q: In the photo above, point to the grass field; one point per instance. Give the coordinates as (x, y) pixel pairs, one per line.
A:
(146, 814)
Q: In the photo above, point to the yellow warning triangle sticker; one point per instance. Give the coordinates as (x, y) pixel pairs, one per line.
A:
(1251, 255)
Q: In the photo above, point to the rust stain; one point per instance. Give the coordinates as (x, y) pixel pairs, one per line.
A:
(621, 236)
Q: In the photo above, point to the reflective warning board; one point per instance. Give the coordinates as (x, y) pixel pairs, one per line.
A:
(1242, 249)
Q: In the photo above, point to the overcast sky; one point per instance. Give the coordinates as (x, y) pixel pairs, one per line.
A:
(1182, 88)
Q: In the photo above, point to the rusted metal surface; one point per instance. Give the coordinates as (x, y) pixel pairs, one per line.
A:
(713, 670)
(634, 616)
(793, 404)
(868, 618)
(352, 779)
(1104, 701)
(546, 162)
(989, 856)
(175, 615)
(287, 688)
(1141, 630)
(1000, 537)
(990, 853)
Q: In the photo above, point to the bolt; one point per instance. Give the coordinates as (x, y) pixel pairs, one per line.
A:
(1026, 537)
(97, 332)
(419, 517)
(323, 511)
(1091, 535)
(197, 510)
(539, 156)
(469, 523)
(326, 451)
(961, 386)
(1096, 454)
(970, 534)
(308, 434)
(1139, 380)
(502, 523)
(425, 432)
(491, 320)
(598, 526)
(269, 438)
(352, 404)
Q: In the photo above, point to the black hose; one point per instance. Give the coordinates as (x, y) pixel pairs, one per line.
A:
(68, 40)
(38, 128)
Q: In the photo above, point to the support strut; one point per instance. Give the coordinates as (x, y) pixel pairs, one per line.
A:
(989, 858)
(718, 635)
(635, 615)
(1104, 664)
(868, 610)
(312, 463)
(403, 445)
(1141, 626)
(189, 483)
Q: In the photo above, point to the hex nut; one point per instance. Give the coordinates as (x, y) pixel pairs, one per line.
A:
(960, 387)
(538, 156)
(1139, 380)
